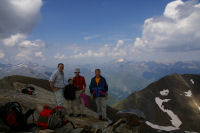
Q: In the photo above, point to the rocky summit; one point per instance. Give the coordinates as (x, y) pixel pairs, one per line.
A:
(11, 90)
(171, 104)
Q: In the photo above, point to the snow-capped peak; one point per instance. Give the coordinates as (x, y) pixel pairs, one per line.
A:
(120, 60)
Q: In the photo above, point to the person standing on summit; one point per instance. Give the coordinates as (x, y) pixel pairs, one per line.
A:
(80, 84)
(99, 92)
(57, 84)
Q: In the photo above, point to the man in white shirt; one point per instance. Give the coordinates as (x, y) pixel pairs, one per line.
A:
(57, 84)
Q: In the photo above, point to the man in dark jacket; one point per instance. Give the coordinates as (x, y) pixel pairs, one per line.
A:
(99, 92)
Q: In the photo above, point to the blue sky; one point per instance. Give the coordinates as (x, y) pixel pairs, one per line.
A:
(69, 21)
(91, 31)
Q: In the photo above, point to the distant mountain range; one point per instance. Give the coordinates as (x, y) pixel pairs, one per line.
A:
(124, 77)
(25, 69)
(171, 104)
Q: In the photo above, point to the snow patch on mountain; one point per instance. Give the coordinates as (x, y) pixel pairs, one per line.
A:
(164, 92)
(188, 93)
(197, 105)
(176, 122)
(192, 81)
(190, 132)
(120, 60)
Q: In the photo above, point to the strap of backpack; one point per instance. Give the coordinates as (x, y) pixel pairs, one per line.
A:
(72, 124)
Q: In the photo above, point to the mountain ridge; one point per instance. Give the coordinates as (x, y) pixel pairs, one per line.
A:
(171, 103)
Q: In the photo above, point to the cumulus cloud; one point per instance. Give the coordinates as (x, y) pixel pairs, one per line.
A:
(26, 49)
(177, 30)
(106, 51)
(18, 16)
(13, 39)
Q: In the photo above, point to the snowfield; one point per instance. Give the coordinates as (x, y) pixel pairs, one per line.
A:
(192, 81)
(176, 122)
(188, 93)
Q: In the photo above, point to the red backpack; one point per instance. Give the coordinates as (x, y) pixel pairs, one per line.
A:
(12, 115)
(44, 116)
(52, 118)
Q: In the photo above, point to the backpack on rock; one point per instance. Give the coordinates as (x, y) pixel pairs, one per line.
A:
(12, 115)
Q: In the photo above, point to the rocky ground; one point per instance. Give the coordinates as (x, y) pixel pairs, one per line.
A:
(10, 90)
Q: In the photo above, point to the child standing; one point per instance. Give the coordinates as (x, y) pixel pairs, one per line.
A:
(70, 96)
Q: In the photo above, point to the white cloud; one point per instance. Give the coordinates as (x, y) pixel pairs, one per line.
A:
(119, 49)
(26, 49)
(1, 54)
(20, 40)
(18, 16)
(59, 56)
(35, 43)
(106, 51)
(13, 39)
(40, 55)
(178, 29)
(91, 37)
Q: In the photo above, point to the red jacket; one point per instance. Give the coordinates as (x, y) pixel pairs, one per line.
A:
(79, 82)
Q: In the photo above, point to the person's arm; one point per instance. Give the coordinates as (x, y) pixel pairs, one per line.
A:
(52, 80)
(90, 87)
(106, 89)
(52, 86)
(84, 85)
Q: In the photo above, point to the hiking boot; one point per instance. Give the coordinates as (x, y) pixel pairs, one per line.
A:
(100, 117)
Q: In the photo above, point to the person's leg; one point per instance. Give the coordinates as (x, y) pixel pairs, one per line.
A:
(73, 107)
(59, 97)
(69, 106)
(103, 107)
(82, 107)
(97, 100)
(77, 102)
